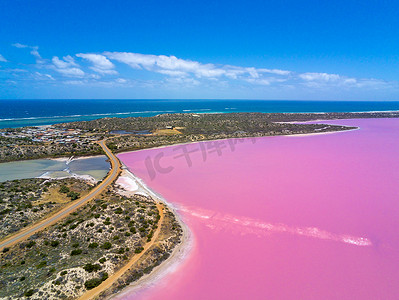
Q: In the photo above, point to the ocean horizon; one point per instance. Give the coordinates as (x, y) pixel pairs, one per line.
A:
(37, 112)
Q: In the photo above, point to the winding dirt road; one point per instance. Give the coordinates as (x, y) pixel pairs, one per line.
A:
(29, 231)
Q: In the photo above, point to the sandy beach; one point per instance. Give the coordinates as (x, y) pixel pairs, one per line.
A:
(135, 185)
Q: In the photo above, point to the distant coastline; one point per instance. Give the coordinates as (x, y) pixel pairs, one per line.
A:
(19, 113)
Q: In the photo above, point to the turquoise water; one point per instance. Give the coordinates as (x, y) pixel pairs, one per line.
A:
(97, 167)
(17, 113)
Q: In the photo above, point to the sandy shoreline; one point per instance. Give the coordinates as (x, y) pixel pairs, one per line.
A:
(72, 158)
(178, 255)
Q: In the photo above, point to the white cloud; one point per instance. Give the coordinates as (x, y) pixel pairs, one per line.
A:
(324, 77)
(275, 71)
(182, 81)
(185, 73)
(34, 50)
(18, 45)
(177, 67)
(101, 64)
(173, 73)
(62, 64)
(41, 76)
(2, 59)
(121, 80)
(71, 72)
(67, 67)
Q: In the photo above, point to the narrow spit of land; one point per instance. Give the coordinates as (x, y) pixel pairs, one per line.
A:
(27, 232)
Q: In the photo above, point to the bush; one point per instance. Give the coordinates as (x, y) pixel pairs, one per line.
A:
(30, 244)
(139, 250)
(75, 245)
(102, 260)
(6, 250)
(93, 245)
(29, 293)
(92, 283)
(54, 243)
(73, 195)
(64, 273)
(91, 268)
(64, 189)
(76, 252)
(107, 245)
(118, 211)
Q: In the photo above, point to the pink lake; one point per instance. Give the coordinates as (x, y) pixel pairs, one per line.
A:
(306, 217)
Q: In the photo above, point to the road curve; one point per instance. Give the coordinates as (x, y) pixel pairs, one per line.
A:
(29, 231)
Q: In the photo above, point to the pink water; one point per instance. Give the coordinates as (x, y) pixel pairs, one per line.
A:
(311, 217)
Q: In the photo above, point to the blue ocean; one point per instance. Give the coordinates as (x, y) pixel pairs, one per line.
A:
(18, 113)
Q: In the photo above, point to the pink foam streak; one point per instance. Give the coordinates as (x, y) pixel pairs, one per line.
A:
(218, 221)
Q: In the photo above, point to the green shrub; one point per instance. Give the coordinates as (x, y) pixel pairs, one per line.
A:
(91, 268)
(102, 260)
(118, 211)
(138, 250)
(54, 243)
(76, 252)
(107, 245)
(73, 195)
(30, 244)
(64, 189)
(29, 293)
(92, 283)
(93, 245)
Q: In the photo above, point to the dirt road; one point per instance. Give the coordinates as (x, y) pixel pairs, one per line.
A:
(29, 231)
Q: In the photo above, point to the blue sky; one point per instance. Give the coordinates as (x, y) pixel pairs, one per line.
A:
(333, 50)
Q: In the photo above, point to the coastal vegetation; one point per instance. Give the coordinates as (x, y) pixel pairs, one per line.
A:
(81, 251)
(25, 201)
